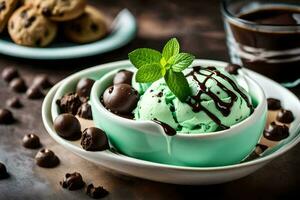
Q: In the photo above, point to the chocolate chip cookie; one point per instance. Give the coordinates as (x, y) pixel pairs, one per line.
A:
(89, 27)
(6, 9)
(60, 10)
(28, 27)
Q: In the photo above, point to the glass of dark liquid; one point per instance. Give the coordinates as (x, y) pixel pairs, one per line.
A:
(264, 35)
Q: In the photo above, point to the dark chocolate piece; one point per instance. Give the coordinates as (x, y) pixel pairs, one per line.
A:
(9, 73)
(2, 6)
(120, 99)
(94, 139)
(34, 92)
(167, 129)
(3, 171)
(42, 81)
(285, 116)
(67, 126)
(46, 158)
(84, 86)
(69, 103)
(96, 192)
(31, 141)
(18, 85)
(46, 12)
(233, 69)
(6, 116)
(276, 132)
(14, 102)
(123, 76)
(259, 149)
(85, 111)
(273, 104)
(28, 21)
(72, 181)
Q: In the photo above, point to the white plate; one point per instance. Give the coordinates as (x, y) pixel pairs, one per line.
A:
(176, 174)
(123, 31)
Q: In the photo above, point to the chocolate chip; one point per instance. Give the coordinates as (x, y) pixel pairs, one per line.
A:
(6, 116)
(84, 86)
(285, 116)
(69, 103)
(120, 99)
(3, 171)
(34, 92)
(29, 21)
(9, 73)
(31, 141)
(233, 69)
(94, 139)
(18, 85)
(85, 111)
(123, 76)
(14, 102)
(94, 27)
(72, 181)
(46, 12)
(42, 81)
(273, 104)
(46, 158)
(96, 192)
(67, 126)
(2, 6)
(23, 14)
(276, 132)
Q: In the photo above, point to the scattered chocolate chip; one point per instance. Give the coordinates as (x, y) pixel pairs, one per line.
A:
(233, 69)
(14, 102)
(94, 139)
(3, 171)
(46, 12)
(31, 141)
(72, 181)
(276, 132)
(29, 21)
(285, 116)
(120, 99)
(34, 92)
(69, 103)
(23, 14)
(85, 111)
(84, 86)
(273, 104)
(123, 76)
(67, 126)
(6, 116)
(42, 81)
(96, 192)
(9, 73)
(18, 85)
(2, 6)
(46, 158)
(94, 27)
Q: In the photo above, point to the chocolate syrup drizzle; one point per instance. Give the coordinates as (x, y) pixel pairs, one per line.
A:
(167, 129)
(223, 107)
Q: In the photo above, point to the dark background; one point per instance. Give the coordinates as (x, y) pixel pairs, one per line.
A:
(198, 26)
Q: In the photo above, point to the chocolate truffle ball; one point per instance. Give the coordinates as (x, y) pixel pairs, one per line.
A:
(123, 76)
(31, 141)
(9, 73)
(14, 102)
(18, 85)
(67, 126)
(94, 139)
(273, 104)
(285, 116)
(42, 81)
(6, 116)
(72, 181)
(276, 132)
(3, 171)
(84, 86)
(96, 192)
(69, 103)
(46, 158)
(85, 111)
(120, 99)
(34, 92)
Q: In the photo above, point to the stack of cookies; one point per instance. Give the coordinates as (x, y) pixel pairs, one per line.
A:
(35, 22)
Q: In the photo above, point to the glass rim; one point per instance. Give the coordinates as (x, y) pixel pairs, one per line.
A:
(229, 14)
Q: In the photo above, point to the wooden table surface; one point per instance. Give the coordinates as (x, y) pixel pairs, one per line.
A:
(198, 26)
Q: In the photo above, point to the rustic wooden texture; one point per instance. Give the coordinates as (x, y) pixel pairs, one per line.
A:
(198, 25)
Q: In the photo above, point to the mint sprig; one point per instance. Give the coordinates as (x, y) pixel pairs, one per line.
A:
(153, 65)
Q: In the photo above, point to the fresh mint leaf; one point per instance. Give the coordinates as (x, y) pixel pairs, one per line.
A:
(182, 61)
(149, 73)
(178, 84)
(144, 56)
(170, 49)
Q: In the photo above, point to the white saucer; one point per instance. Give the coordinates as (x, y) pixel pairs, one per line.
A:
(176, 174)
